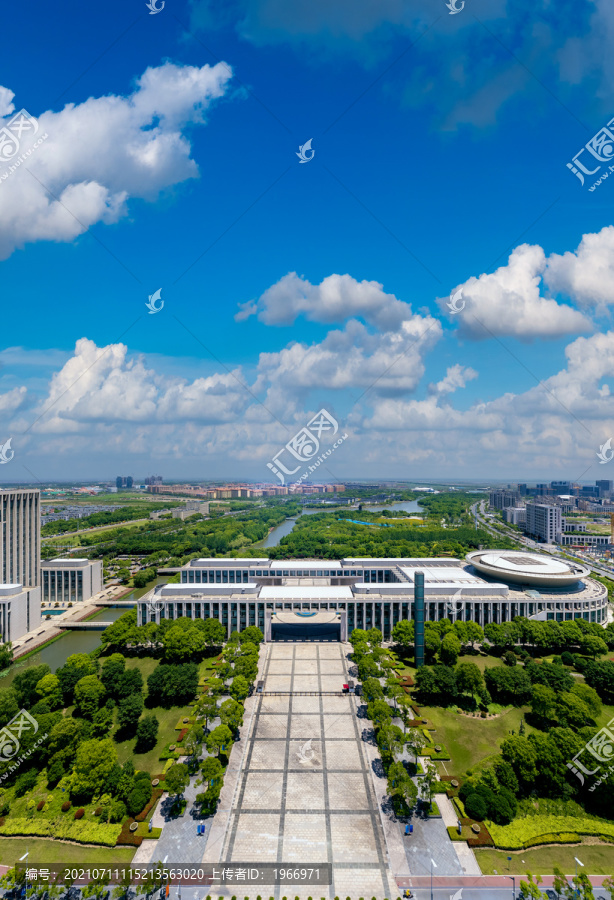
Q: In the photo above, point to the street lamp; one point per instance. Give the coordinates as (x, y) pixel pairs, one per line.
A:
(433, 865)
(578, 863)
(513, 878)
(21, 859)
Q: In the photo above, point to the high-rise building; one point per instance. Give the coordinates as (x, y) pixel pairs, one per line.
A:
(522, 489)
(124, 481)
(605, 487)
(544, 521)
(119, 482)
(20, 537)
(129, 481)
(20, 541)
(503, 499)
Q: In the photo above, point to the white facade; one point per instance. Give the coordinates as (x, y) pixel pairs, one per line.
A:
(70, 580)
(514, 515)
(20, 611)
(373, 592)
(20, 537)
(544, 521)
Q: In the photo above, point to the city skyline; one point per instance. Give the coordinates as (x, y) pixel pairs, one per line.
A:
(378, 233)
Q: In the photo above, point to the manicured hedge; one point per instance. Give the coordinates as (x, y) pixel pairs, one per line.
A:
(155, 796)
(516, 835)
(430, 751)
(566, 837)
(82, 832)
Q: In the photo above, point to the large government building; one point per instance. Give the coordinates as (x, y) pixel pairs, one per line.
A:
(327, 599)
(20, 547)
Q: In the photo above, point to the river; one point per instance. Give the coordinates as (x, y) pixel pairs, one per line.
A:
(286, 527)
(56, 653)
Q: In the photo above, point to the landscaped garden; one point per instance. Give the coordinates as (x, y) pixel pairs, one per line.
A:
(108, 733)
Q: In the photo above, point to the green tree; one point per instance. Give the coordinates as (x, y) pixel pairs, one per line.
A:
(49, 689)
(469, 678)
(372, 689)
(89, 693)
(389, 740)
(403, 633)
(211, 770)
(252, 633)
(543, 702)
(207, 709)
(219, 739)
(593, 646)
(129, 712)
(379, 712)
(177, 779)
(239, 688)
(146, 733)
(231, 714)
(401, 785)
(94, 763)
(112, 668)
(450, 649)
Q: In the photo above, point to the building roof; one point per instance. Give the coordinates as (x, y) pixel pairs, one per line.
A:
(307, 592)
(520, 566)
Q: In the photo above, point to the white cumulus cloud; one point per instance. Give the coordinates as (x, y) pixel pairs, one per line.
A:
(508, 302)
(94, 156)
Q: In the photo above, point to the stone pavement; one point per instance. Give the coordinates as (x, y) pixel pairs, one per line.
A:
(304, 793)
(465, 854)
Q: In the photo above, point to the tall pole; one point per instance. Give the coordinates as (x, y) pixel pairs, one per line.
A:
(433, 863)
(419, 618)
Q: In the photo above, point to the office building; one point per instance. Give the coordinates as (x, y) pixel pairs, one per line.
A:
(20, 611)
(514, 515)
(20, 533)
(153, 479)
(544, 522)
(605, 488)
(503, 499)
(288, 598)
(70, 580)
(123, 481)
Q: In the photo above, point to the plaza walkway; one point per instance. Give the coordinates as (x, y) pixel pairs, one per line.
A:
(304, 791)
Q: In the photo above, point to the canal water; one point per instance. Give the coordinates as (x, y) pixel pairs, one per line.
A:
(286, 527)
(56, 653)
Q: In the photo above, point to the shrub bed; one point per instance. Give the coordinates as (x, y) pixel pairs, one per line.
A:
(127, 837)
(155, 796)
(515, 835)
(442, 753)
(565, 837)
(82, 832)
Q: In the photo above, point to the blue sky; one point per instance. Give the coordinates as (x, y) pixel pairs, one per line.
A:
(441, 143)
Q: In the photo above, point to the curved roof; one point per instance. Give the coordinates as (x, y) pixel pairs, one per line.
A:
(522, 567)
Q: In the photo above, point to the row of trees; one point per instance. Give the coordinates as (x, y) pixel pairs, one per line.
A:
(178, 640)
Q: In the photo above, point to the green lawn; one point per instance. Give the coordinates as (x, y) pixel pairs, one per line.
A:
(167, 718)
(471, 741)
(48, 850)
(598, 859)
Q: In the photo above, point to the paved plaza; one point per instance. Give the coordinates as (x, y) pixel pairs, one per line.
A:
(304, 792)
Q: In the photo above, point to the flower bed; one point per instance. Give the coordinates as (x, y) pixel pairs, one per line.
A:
(181, 725)
(516, 835)
(82, 832)
(182, 734)
(434, 754)
(155, 796)
(129, 838)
